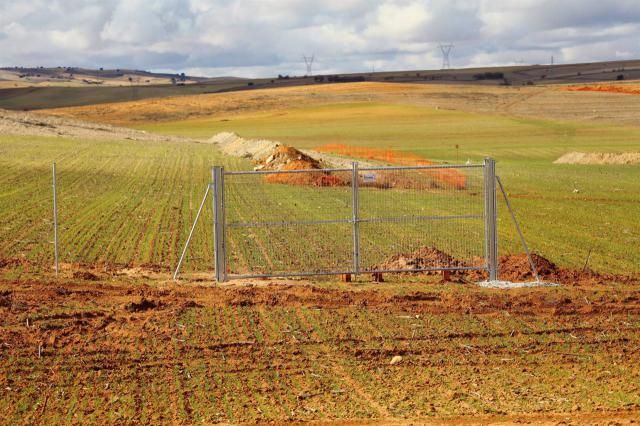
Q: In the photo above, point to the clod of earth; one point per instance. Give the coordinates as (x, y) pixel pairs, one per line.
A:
(422, 258)
(143, 305)
(85, 275)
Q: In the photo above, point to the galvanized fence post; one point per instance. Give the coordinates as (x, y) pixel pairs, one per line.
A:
(491, 218)
(55, 218)
(355, 217)
(218, 224)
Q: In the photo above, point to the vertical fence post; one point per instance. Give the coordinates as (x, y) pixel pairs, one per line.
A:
(355, 217)
(491, 218)
(55, 218)
(218, 224)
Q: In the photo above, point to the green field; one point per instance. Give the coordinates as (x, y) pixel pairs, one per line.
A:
(566, 210)
(131, 203)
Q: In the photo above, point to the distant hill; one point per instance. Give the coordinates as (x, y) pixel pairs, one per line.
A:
(13, 77)
(39, 88)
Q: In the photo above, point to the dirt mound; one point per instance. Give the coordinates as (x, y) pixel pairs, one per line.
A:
(286, 158)
(596, 158)
(517, 268)
(275, 156)
(143, 305)
(422, 258)
(255, 149)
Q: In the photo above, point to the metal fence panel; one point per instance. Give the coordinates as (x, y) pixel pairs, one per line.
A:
(288, 223)
(433, 217)
(313, 222)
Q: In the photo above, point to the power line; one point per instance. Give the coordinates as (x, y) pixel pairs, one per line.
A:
(446, 54)
(308, 60)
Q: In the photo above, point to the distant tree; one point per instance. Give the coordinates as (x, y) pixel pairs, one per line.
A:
(489, 76)
(620, 77)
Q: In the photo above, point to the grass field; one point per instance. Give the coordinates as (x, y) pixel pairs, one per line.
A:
(126, 205)
(566, 211)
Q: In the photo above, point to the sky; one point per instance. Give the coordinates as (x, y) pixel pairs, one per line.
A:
(264, 38)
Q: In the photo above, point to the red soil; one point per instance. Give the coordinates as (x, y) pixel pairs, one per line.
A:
(446, 176)
(288, 158)
(607, 88)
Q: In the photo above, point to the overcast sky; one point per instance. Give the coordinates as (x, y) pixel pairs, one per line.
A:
(269, 37)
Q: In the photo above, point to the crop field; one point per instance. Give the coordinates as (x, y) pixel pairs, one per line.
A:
(567, 211)
(132, 352)
(124, 205)
(113, 340)
(572, 214)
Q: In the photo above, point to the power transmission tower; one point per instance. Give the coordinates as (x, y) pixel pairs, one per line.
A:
(446, 54)
(308, 60)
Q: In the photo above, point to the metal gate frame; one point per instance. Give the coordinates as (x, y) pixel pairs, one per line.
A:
(490, 220)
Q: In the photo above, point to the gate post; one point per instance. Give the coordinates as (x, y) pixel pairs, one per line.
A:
(355, 217)
(491, 218)
(220, 256)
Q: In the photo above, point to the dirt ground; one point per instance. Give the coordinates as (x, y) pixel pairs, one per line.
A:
(599, 158)
(87, 349)
(34, 124)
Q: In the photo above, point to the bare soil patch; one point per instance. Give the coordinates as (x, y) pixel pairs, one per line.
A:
(37, 124)
(625, 88)
(599, 158)
(422, 258)
(274, 352)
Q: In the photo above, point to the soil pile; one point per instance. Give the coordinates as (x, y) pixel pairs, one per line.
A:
(516, 268)
(422, 258)
(601, 158)
(275, 156)
(286, 158)
(233, 145)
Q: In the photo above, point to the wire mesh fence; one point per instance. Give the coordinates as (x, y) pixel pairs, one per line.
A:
(339, 221)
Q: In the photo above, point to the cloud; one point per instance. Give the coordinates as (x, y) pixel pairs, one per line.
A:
(269, 37)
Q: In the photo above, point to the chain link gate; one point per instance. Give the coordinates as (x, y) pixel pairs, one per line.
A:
(289, 223)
